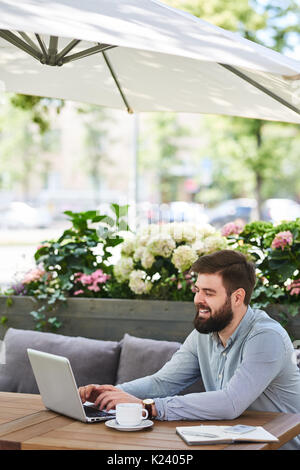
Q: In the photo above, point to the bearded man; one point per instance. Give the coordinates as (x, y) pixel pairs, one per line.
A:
(244, 357)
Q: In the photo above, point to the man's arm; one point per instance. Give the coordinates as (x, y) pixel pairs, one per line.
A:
(264, 357)
(178, 373)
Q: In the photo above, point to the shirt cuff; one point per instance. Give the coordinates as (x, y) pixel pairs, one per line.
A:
(161, 408)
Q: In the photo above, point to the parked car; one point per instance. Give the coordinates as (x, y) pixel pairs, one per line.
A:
(232, 209)
(277, 209)
(19, 215)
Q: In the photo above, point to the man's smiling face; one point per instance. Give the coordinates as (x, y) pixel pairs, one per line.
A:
(213, 305)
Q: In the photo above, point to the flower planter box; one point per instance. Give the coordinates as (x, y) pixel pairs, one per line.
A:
(110, 319)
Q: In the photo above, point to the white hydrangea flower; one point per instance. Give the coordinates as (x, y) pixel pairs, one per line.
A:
(123, 268)
(138, 254)
(161, 245)
(138, 282)
(214, 243)
(145, 233)
(181, 231)
(183, 257)
(205, 230)
(142, 240)
(128, 246)
(147, 259)
(198, 247)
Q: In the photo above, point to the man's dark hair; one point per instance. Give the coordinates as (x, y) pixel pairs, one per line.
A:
(233, 267)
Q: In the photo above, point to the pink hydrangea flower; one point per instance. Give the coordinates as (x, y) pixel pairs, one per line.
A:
(232, 228)
(92, 281)
(294, 287)
(282, 239)
(86, 279)
(80, 291)
(94, 288)
(33, 275)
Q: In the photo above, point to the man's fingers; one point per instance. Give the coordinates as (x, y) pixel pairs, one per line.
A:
(103, 398)
(88, 392)
(92, 391)
(105, 388)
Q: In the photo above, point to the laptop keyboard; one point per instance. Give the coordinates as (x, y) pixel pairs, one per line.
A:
(94, 413)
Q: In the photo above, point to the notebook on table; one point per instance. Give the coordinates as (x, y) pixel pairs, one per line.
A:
(210, 434)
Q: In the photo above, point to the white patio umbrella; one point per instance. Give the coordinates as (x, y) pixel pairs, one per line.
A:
(141, 55)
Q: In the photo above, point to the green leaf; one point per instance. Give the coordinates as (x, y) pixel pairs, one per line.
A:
(294, 310)
(69, 213)
(54, 323)
(120, 211)
(37, 315)
(100, 218)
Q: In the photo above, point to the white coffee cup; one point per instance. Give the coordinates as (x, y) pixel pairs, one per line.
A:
(130, 414)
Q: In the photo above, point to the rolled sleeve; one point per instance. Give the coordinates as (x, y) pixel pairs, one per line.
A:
(181, 371)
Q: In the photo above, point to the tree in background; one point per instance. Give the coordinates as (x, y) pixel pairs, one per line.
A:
(23, 149)
(252, 157)
(96, 138)
(38, 108)
(238, 16)
(160, 151)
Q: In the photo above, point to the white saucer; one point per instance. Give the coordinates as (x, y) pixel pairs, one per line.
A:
(112, 423)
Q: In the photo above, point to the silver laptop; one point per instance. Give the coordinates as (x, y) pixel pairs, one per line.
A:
(58, 389)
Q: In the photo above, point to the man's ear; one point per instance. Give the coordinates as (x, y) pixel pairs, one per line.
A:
(238, 297)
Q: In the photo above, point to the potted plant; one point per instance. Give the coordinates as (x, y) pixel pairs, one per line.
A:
(275, 249)
(145, 289)
(75, 287)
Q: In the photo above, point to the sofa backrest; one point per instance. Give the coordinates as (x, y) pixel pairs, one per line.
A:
(92, 361)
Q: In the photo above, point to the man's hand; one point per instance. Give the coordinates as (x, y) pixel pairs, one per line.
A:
(106, 396)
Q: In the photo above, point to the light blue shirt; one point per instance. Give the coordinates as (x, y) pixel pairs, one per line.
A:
(255, 371)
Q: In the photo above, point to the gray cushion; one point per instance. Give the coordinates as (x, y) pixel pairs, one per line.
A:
(141, 357)
(92, 361)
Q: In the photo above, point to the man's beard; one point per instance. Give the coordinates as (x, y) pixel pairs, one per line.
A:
(216, 322)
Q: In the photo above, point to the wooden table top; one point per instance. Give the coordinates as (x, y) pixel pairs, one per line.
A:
(26, 424)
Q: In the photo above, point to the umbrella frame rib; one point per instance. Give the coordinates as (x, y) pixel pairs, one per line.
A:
(51, 56)
(18, 42)
(129, 109)
(28, 40)
(43, 47)
(261, 87)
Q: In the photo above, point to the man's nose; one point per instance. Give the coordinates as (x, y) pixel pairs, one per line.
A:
(199, 298)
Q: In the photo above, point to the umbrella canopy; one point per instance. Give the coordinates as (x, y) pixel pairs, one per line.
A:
(141, 55)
